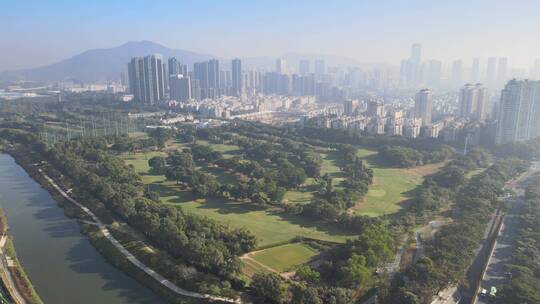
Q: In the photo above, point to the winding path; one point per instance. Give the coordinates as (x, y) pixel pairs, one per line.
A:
(130, 257)
(4, 265)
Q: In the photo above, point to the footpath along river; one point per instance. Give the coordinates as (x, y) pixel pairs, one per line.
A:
(60, 261)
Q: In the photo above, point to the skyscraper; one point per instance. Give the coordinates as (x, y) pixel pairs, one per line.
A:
(416, 53)
(350, 106)
(472, 102)
(303, 67)
(535, 71)
(180, 87)
(519, 111)
(146, 78)
(457, 72)
(281, 66)
(434, 72)
(502, 71)
(423, 106)
(320, 67)
(491, 69)
(237, 77)
(410, 70)
(475, 70)
(207, 73)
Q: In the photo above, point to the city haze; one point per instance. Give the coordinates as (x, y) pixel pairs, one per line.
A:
(40, 33)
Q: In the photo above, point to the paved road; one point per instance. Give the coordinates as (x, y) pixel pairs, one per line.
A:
(502, 253)
(130, 257)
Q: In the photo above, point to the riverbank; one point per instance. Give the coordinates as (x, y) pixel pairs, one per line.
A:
(21, 280)
(30, 162)
(18, 283)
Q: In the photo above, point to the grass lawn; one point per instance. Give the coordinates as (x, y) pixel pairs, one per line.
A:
(267, 225)
(474, 173)
(286, 257)
(227, 150)
(140, 160)
(329, 166)
(391, 186)
(250, 267)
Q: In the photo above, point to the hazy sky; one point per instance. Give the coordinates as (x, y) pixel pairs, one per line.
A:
(40, 32)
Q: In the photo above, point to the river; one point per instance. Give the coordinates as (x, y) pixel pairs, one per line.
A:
(61, 263)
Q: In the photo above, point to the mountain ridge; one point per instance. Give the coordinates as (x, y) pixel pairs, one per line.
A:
(106, 64)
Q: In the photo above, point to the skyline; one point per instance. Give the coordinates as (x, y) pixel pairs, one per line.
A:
(36, 32)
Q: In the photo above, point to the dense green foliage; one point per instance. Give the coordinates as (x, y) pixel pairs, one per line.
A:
(450, 253)
(408, 157)
(438, 189)
(527, 150)
(525, 263)
(201, 241)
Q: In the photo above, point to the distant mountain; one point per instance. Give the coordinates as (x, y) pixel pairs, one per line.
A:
(107, 64)
(100, 64)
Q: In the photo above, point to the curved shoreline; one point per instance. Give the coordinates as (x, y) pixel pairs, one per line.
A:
(130, 257)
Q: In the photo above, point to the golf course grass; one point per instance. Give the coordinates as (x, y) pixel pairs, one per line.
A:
(391, 186)
(286, 257)
(269, 226)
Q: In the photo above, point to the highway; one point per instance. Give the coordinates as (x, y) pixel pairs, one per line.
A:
(502, 252)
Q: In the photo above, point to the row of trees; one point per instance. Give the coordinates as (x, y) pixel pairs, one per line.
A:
(406, 157)
(438, 189)
(330, 204)
(525, 263)
(202, 242)
(451, 251)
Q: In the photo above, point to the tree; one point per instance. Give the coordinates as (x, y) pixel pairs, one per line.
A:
(308, 274)
(355, 273)
(157, 165)
(302, 294)
(269, 287)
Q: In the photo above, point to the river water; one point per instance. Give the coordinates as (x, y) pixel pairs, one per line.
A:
(61, 263)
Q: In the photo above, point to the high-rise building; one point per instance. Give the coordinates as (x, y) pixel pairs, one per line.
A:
(375, 108)
(502, 71)
(410, 69)
(416, 53)
(207, 73)
(457, 72)
(180, 87)
(519, 110)
(423, 103)
(303, 67)
(434, 73)
(176, 67)
(237, 83)
(281, 66)
(475, 70)
(491, 70)
(320, 67)
(146, 78)
(472, 102)
(535, 71)
(350, 106)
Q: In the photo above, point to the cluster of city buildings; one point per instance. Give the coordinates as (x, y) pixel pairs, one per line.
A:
(152, 81)
(494, 72)
(373, 117)
(207, 90)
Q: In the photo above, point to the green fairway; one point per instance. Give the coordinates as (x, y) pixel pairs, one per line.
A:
(268, 226)
(286, 257)
(140, 160)
(391, 186)
(227, 150)
(250, 267)
(329, 166)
